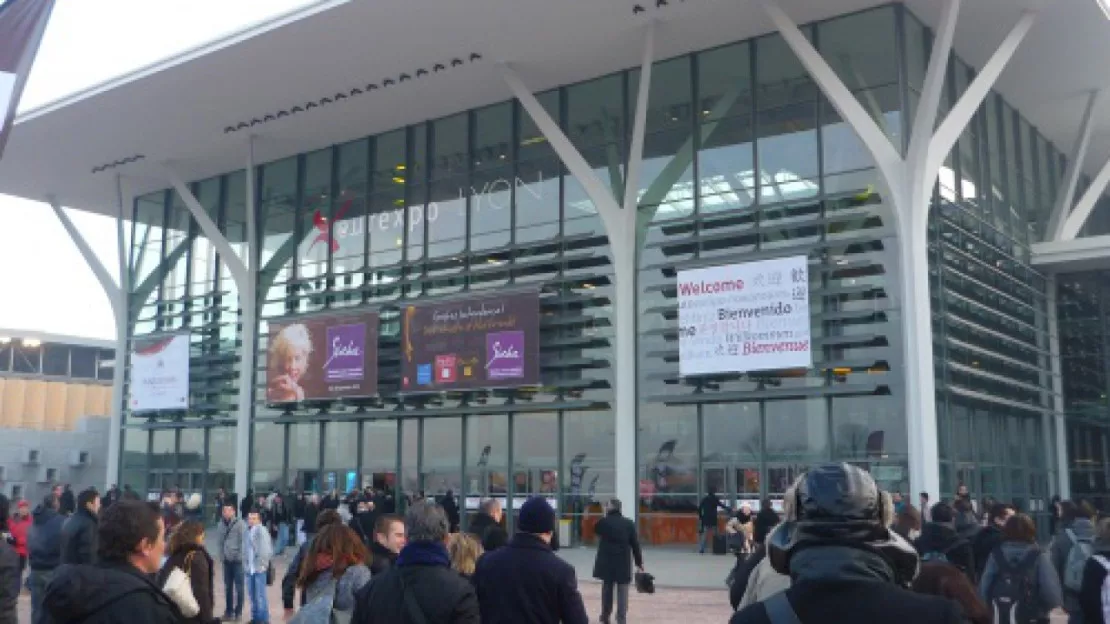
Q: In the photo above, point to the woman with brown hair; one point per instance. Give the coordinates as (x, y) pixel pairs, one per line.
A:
(908, 523)
(947, 581)
(1018, 559)
(335, 566)
(193, 579)
(464, 551)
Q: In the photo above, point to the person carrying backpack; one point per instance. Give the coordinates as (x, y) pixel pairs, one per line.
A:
(1019, 583)
(1094, 595)
(1071, 548)
(940, 542)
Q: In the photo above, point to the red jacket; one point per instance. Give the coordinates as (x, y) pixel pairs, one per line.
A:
(19, 529)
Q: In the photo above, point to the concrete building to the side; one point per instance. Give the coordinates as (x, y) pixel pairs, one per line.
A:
(348, 158)
(55, 398)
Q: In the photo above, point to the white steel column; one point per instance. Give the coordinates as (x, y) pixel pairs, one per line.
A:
(245, 282)
(620, 224)
(1063, 479)
(909, 184)
(117, 297)
(1066, 196)
(1086, 204)
(248, 298)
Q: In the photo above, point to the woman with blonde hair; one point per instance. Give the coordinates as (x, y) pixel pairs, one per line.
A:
(288, 363)
(464, 551)
(186, 577)
(334, 567)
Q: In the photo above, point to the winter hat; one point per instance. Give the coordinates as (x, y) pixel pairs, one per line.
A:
(536, 516)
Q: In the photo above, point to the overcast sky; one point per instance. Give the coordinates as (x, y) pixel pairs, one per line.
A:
(48, 286)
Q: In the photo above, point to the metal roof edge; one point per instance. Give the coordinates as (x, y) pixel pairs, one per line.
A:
(256, 29)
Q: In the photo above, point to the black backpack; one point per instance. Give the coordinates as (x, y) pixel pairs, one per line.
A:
(1013, 593)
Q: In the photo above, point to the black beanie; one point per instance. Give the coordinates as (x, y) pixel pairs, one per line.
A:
(536, 516)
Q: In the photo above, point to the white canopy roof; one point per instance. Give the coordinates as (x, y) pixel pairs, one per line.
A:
(179, 110)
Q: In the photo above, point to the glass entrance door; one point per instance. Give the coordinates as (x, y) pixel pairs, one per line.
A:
(487, 461)
(535, 459)
(441, 453)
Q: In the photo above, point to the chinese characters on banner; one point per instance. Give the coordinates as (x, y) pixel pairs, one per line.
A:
(744, 317)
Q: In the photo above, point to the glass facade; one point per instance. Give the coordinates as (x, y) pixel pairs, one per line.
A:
(744, 160)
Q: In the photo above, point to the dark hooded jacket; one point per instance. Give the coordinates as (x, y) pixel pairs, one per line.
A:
(943, 539)
(44, 544)
(107, 594)
(488, 532)
(848, 584)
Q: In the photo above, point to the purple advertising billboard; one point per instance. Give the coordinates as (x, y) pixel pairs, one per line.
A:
(325, 356)
(464, 344)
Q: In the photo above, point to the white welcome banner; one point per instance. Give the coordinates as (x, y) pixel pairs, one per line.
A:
(744, 317)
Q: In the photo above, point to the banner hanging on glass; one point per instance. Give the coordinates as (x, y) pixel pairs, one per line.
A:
(746, 317)
(160, 373)
(481, 342)
(327, 356)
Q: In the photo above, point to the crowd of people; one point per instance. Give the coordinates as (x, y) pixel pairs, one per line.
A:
(842, 550)
(845, 551)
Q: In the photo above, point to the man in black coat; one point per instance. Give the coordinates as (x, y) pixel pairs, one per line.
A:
(44, 550)
(119, 589)
(845, 564)
(990, 537)
(525, 582)
(9, 583)
(707, 519)
(79, 531)
(421, 587)
(617, 549)
(939, 541)
(67, 503)
(486, 526)
(451, 508)
(389, 540)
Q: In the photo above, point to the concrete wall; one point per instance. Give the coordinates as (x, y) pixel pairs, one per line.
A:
(55, 451)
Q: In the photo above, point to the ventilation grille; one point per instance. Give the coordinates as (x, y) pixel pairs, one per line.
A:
(353, 92)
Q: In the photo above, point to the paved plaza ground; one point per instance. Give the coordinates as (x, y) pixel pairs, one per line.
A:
(677, 598)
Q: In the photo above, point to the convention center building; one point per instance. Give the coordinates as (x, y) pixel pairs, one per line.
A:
(645, 249)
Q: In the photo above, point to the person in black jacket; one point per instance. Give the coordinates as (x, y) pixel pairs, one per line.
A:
(707, 516)
(389, 540)
(120, 589)
(44, 550)
(1094, 576)
(940, 542)
(618, 547)
(451, 508)
(363, 522)
(990, 537)
(67, 503)
(246, 504)
(289, 581)
(765, 520)
(311, 511)
(79, 530)
(186, 552)
(486, 526)
(525, 582)
(421, 581)
(846, 565)
(9, 583)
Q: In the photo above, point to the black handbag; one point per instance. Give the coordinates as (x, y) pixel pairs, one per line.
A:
(269, 573)
(645, 583)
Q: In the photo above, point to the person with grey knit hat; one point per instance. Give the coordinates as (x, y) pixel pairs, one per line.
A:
(525, 582)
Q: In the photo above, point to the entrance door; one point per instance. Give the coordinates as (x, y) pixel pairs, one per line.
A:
(535, 459)
(441, 452)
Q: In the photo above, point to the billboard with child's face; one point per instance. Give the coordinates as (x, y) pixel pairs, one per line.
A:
(325, 356)
(491, 341)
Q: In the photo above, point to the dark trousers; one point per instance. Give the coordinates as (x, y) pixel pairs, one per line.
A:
(39, 580)
(234, 579)
(607, 601)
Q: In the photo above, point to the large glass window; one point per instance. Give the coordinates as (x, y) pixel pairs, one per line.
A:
(304, 459)
(341, 456)
(267, 457)
(786, 118)
(379, 454)
(725, 157)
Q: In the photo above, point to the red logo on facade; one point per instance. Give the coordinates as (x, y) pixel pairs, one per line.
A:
(324, 226)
